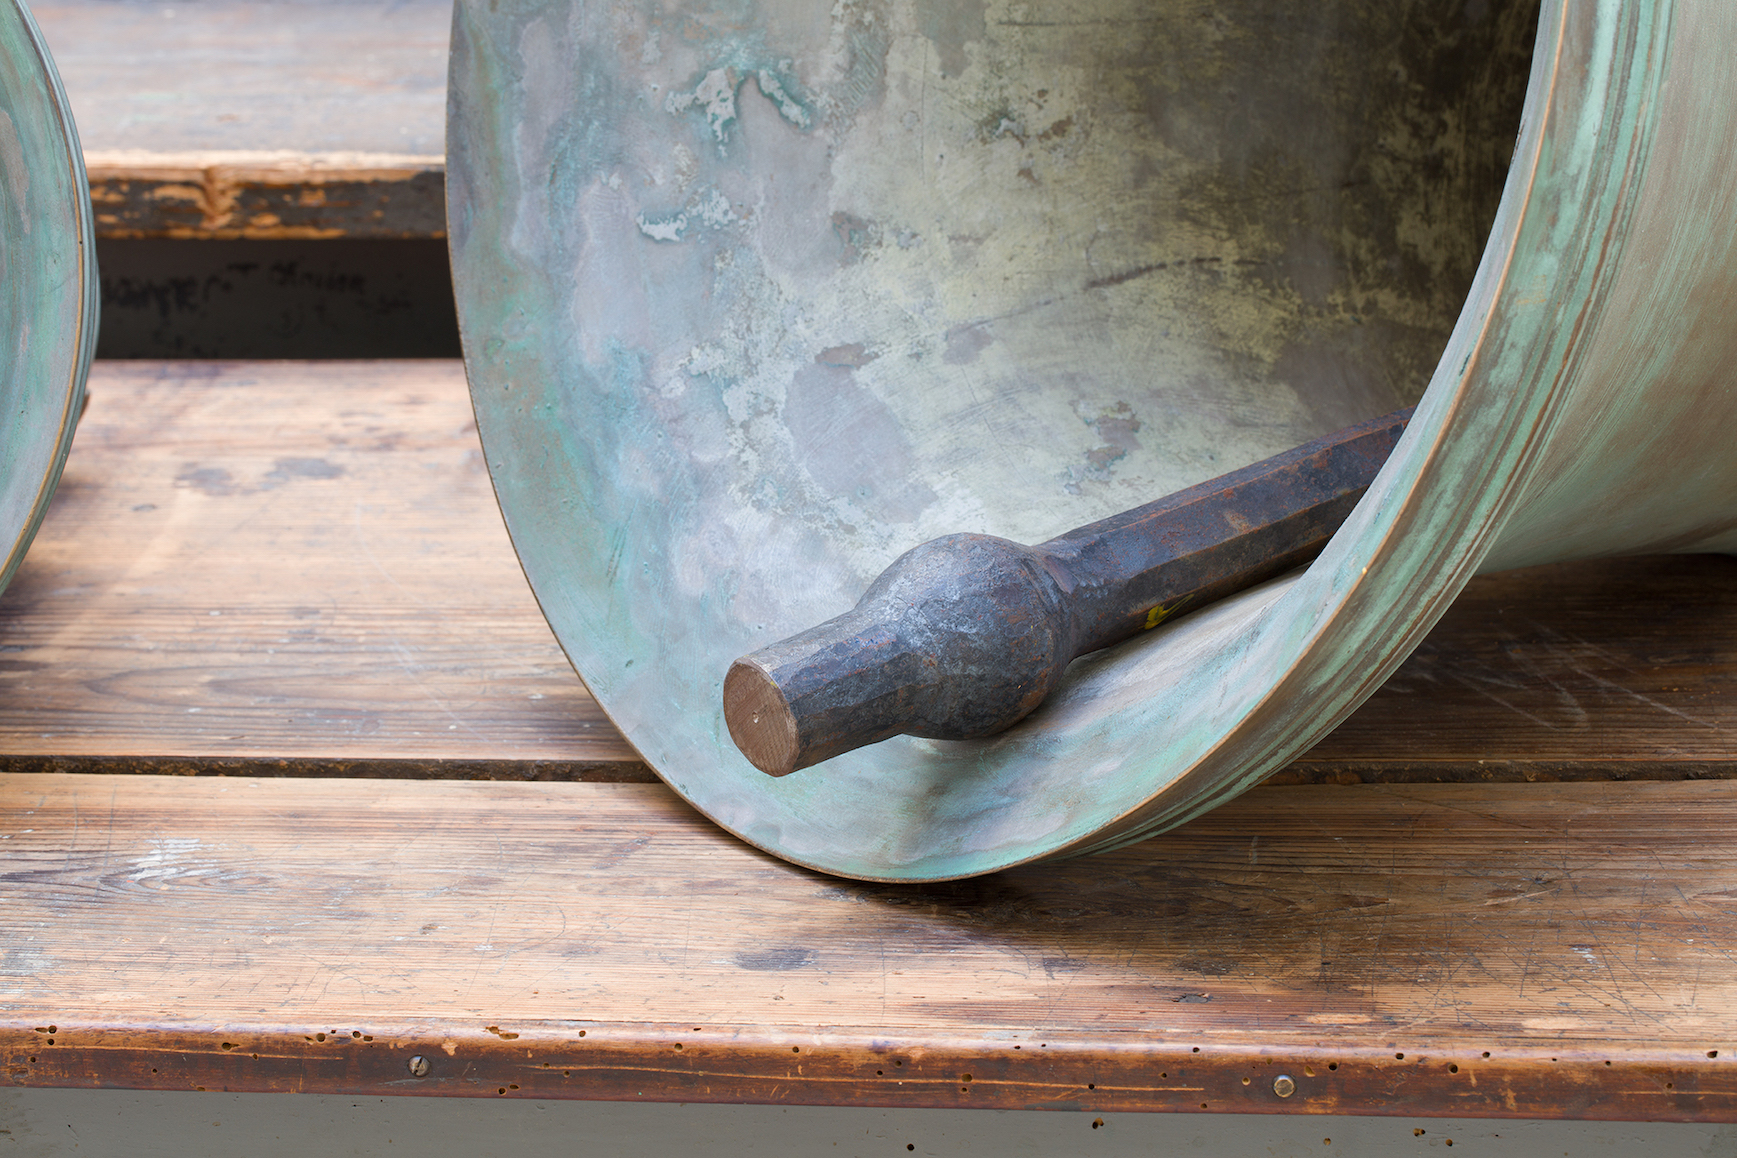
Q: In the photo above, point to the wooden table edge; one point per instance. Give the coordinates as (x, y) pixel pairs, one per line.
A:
(874, 1067)
(1385, 1071)
(263, 195)
(262, 166)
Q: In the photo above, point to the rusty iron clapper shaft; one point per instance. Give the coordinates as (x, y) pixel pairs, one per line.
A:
(965, 635)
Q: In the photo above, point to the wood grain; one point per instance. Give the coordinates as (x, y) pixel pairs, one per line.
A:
(264, 196)
(370, 619)
(277, 568)
(1441, 949)
(255, 118)
(1608, 668)
(286, 561)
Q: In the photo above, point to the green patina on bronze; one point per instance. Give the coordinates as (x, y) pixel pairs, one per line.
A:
(48, 296)
(757, 296)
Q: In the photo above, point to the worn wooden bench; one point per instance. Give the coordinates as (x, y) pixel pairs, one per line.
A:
(299, 794)
(227, 119)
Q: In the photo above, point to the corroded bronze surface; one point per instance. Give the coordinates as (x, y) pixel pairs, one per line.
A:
(47, 282)
(756, 298)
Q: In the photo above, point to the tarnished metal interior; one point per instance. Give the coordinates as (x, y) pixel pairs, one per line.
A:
(757, 296)
(47, 282)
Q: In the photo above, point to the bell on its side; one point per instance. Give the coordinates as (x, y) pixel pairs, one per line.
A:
(751, 310)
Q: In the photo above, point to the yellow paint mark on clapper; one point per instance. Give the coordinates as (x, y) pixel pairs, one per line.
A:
(1162, 612)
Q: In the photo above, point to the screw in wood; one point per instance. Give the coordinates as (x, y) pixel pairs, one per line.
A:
(418, 1066)
(1284, 1085)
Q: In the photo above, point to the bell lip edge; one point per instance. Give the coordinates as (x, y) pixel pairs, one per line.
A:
(86, 291)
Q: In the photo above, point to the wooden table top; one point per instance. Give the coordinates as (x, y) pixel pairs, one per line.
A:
(1504, 887)
(294, 562)
(1421, 949)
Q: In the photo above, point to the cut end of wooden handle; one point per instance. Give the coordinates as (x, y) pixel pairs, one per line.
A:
(760, 720)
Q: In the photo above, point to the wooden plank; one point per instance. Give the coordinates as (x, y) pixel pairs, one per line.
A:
(1502, 950)
(1609, 668)
(299, 562)
(265, 196)
(373, 622)
(255, 118)
(362, 76)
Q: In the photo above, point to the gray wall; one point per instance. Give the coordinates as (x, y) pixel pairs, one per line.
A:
(43, 1123)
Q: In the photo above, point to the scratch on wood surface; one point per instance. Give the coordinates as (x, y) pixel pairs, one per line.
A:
(1473, 684)
(1520, 897)
(1652, 703)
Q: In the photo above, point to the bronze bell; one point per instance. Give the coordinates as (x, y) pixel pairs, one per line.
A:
(48, 282)
(756, 297)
